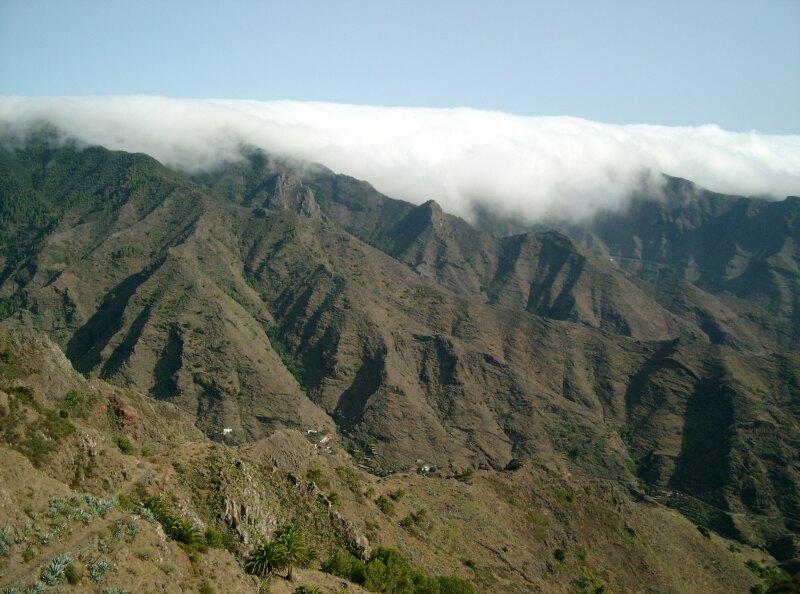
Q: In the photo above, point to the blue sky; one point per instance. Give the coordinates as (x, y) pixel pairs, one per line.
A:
(732, 63)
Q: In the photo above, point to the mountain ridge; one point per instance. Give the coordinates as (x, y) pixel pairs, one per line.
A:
(269, 294)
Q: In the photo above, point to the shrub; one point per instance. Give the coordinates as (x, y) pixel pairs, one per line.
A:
(349, 477)
(205, 588)
(29, 553)
(385, 505)
(216, 539)
(345, 565)
(125, 446)
(388, 571)
(71, 574)
(307, 590)
(8, 356)
(78, 403)
(415, 520)
(174, 526)
(449, 584)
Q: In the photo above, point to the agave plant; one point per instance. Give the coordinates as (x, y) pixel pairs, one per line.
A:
(53, 573)
(97, 569)
(6, 540)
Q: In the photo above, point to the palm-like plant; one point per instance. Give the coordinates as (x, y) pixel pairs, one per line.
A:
(267, 557)
(297, 551)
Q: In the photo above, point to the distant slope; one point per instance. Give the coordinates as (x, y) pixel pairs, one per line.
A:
(535, 529)
(271, 294)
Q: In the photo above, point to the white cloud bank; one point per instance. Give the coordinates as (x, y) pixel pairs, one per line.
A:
(524, 166)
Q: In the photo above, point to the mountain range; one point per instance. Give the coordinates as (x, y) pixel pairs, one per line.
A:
(653, 347)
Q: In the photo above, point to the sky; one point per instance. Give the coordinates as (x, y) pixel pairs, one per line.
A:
(533, 108)
(732, 63)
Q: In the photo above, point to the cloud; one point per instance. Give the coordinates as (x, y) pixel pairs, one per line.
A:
(522, 166)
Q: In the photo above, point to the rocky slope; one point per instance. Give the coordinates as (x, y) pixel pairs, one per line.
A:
(271, 294)
(81, 456)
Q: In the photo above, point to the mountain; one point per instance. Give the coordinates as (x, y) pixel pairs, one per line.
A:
(654, 348)
(83, 460)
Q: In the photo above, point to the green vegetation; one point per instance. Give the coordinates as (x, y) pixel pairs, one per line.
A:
(217, 540)
(786, 586)
(273, 334)
(35, 439)
(170, 519)
(55, 571)
(588, 583)
(385, 505)
(350, 478)
(98, 569)
(77, 403)
(125, 446)
(307, 590)
(11, 303)
(388, 571)
(770, 574)
(126, 251)
(265, 558)
(415, 521)
(71, 574)
(287, 550)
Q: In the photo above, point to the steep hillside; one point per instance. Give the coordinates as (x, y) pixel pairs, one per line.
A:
(270, 295)
(83, 460)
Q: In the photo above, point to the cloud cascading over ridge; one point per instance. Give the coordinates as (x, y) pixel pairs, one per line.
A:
(519, 165)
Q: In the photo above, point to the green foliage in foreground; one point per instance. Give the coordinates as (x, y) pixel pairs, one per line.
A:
(287, 550)
(175, 527)
(388, 571)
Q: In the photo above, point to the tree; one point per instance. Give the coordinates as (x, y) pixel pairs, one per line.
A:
(296, 551)
(267, 557)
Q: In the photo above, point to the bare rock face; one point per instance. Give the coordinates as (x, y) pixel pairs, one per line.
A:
(357, 544)
(128, 419)
(244, 511)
